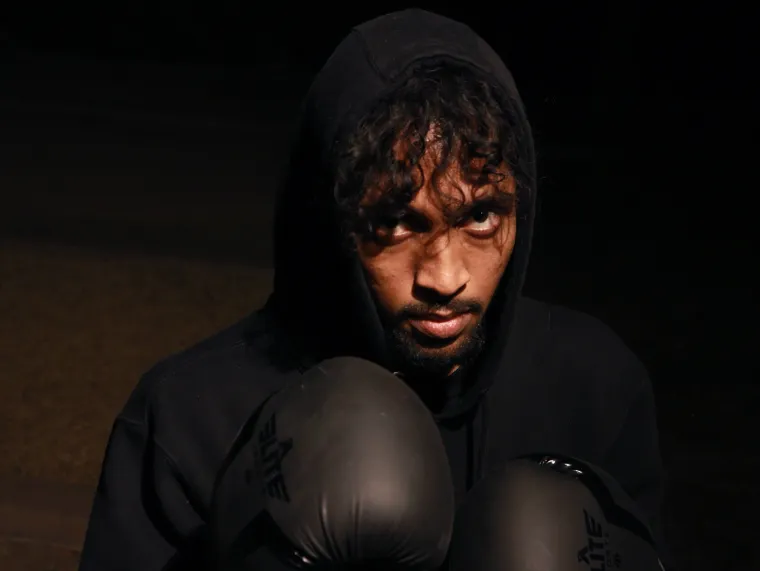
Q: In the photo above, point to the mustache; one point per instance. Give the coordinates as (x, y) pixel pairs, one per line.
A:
(457, 306)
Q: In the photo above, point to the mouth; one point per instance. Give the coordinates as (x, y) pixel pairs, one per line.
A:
(441, 326)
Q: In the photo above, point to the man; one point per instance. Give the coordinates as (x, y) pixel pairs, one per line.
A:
(402, 236)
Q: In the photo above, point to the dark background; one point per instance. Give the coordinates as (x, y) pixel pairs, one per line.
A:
(644, 115)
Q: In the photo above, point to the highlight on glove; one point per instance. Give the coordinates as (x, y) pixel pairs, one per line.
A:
(343, 467)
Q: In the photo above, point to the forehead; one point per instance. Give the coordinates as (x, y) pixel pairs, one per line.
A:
(436, 188)
(441, 180)
(447, 188)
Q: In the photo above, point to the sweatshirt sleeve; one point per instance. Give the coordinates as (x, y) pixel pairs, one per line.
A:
(635, 460)
(141, 518)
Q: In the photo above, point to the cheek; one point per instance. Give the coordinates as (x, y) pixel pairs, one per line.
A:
(486, 272)
(390, 281)
(488, 262)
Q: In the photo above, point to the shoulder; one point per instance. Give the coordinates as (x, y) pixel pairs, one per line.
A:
(209, 389)
(192, 405)
(588, 332)
(583, 348)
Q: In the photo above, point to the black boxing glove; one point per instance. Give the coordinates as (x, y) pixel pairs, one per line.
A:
(550, 513)
(344, 467)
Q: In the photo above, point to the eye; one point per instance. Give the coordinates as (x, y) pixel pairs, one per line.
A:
(482, 222)
(480, 215)
(389, 229)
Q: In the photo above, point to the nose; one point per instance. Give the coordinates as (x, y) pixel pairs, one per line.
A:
(442, 270)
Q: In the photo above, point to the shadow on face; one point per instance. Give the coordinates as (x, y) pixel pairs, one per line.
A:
(434, 264)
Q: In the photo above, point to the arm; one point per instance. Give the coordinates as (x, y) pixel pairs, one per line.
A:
(634, 460)
(141, 518)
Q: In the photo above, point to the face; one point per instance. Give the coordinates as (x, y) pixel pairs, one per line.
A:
(434, 268)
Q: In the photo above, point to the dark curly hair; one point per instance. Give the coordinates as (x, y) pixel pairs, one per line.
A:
(474, 125)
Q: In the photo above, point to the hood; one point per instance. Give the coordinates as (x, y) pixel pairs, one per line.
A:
(320, 292)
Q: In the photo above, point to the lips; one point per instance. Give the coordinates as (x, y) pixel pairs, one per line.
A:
(441, 327)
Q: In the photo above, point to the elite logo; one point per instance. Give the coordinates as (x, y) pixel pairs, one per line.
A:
(272, 451)
(595, 554)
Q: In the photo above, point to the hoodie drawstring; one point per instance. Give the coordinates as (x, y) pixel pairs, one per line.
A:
(483, 444)
(470, 453)
(476, 450)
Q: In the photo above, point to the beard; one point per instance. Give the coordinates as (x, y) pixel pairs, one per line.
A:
(420, 357)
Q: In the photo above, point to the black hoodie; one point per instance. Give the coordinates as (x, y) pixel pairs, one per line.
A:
(550, 380)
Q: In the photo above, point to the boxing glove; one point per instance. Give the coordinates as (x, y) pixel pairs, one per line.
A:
(550, 513)
(343, 467)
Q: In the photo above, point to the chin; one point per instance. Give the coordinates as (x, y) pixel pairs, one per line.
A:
(434, 356)
(443, 347)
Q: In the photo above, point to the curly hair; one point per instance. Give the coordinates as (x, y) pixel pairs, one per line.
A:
(474, 126)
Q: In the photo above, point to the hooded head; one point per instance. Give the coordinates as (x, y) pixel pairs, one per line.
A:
(403, 225)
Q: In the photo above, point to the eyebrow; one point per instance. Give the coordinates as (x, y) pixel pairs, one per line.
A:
(501, 203)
